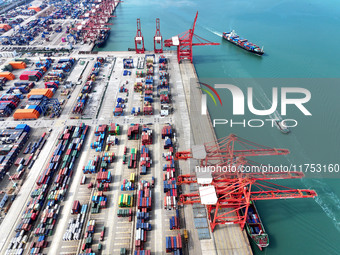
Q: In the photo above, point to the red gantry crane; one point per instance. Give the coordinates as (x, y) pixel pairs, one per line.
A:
(184, 43)
(228, 194)
(157, 39)
(139, 39)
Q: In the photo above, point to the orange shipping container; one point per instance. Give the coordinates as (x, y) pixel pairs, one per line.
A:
(46, 92)
(37, 9)
(7, 75)
(18, 65)
(6, 27)
(26, 114)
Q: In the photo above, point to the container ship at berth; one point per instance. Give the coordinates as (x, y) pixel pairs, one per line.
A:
(255, 228)
(102, 38)
(242, 43)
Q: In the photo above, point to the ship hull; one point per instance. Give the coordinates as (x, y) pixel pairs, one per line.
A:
(100, 43)
(259, 53)
(255, 228)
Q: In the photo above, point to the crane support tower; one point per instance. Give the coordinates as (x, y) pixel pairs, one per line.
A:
(158, 39)
(139, 39)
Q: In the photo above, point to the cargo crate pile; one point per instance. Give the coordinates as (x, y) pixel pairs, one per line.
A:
(104, 177)
(36, 74)
(163, 88)
(75, 136)
(48, 219)
(138, 87)
(145, 160)
(100, 133)
(128, 63)
(170, 199)
(146, 135)
(82, 98)
(144, 196)
(125, 200)
(13, 141)
(52, 187)
(63, 10)
(75, 225)
(133, 132)
(174, 244)
(125, 213)
(99, 201)
(144, 206)
(106, 160)
(92, 166)
(118, 110)
(143, 252)
(128, 184)
(148, 98)
(8, 103)
(133, 158)
(21, 88)
(103, 186)
(174, 221)
(89, 235)
(149, 59)
(170, 187)
(122, 89)
(26, 33)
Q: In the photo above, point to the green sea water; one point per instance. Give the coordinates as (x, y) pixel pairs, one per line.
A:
(301, 40)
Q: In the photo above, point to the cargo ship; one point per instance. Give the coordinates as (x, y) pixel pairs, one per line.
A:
(282, 127)
(254, 227)
(102, 38)
(242, 43)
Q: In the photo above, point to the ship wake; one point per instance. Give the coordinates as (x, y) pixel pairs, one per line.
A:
(213, 31)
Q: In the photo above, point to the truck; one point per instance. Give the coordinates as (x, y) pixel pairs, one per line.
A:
(185, 235)
(102, 233)
(165, 110)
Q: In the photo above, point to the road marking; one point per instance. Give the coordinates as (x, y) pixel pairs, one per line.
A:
(115, 244)
(69, 246)
(122, 237)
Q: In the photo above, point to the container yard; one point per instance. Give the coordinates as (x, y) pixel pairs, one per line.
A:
(109, 166)
(97, 149)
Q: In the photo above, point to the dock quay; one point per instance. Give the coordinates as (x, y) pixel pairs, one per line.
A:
(229, 239)
(111, 233)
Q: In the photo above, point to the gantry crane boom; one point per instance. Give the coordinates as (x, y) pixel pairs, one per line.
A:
(184, 42)
(227, 193)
